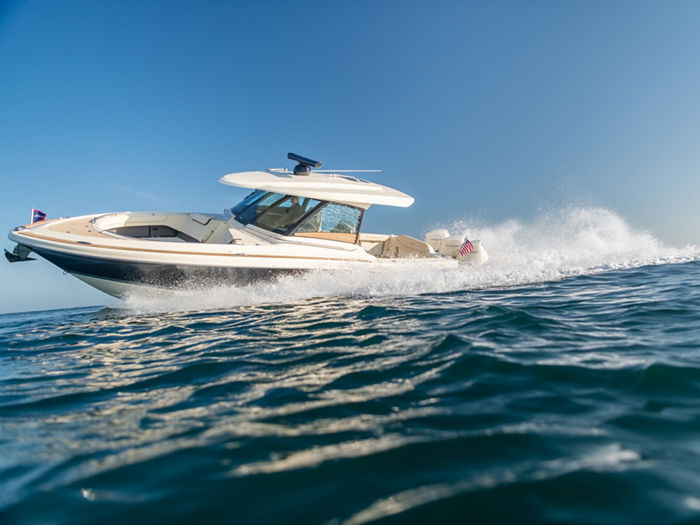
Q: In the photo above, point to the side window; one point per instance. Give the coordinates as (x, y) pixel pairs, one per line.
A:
(333, 218)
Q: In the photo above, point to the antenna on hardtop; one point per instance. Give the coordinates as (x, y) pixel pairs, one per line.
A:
(305, 164)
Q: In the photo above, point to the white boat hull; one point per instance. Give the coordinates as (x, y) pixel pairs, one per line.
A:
(119, 265)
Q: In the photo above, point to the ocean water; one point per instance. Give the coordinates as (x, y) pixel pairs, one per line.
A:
(559, 383)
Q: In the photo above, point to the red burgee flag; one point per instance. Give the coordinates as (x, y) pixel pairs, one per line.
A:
(38, 216)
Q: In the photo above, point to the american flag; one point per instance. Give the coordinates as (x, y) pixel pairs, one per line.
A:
(466, 248)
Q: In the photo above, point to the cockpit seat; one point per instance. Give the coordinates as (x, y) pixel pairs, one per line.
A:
(402, 246)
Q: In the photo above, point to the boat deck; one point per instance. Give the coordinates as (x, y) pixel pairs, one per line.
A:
(76, 226)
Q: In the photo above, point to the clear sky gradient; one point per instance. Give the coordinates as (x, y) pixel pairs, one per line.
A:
(475, 108)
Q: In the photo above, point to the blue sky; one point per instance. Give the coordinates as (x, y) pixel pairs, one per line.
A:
(478, 109)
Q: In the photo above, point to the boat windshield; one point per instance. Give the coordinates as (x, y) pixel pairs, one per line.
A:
(250, 199)
(300, 216)
(273, 211)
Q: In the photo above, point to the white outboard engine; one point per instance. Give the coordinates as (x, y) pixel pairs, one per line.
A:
(456, 246)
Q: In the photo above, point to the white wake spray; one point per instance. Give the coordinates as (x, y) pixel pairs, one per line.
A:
(557, 244)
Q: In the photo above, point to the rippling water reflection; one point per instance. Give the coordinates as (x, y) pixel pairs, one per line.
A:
(567, 401)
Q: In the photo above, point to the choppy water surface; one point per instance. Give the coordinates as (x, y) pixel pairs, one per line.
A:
(559, 383)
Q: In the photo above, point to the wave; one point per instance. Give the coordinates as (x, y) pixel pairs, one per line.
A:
(557, 244)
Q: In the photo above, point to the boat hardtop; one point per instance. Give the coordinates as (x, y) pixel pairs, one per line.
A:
(334, 187)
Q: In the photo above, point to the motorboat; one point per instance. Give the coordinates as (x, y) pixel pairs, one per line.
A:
(293, 221)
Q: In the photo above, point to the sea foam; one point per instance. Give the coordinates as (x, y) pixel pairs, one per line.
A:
(556, 244)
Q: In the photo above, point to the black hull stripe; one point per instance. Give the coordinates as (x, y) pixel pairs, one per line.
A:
(158, 274)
